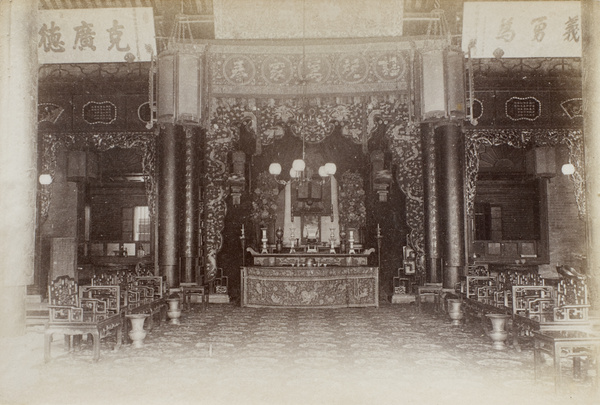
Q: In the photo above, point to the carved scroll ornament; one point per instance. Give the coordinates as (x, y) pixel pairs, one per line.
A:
(144, 141)
(518, 138)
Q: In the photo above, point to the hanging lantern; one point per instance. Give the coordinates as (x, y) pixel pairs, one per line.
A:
(442, 84)
(179, 88)
(81, 165)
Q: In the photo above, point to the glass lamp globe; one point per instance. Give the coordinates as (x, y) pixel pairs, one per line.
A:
(275, 169)
(568, 169)
(331, 168)
(323, 171)
(45, 179)
(298, 165)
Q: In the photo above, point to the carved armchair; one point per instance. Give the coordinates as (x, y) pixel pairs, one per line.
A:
(63, 301)
(74, 313)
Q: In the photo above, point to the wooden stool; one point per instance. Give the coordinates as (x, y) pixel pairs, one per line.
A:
(427, 290)
(190, 289)
(561, 344)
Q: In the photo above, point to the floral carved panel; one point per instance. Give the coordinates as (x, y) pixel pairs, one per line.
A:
(311, 287)
(267, 119)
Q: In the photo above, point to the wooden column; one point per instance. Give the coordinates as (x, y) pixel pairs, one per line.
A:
(431, 196)
(590, 13)
(189, 231)
(18, 153)
(452, 201)
(168, 195)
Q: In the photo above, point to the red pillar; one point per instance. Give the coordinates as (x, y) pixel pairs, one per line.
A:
(452, 201)
(168, 145)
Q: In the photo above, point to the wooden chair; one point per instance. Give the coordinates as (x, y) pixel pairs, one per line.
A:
(74, 315)
(190, 289)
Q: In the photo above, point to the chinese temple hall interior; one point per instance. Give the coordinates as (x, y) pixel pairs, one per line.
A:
(299, 202)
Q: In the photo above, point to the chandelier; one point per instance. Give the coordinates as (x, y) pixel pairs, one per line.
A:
(306, 122)
(299, 170)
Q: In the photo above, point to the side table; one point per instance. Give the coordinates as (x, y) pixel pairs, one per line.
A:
(565, 344)
(190, 289)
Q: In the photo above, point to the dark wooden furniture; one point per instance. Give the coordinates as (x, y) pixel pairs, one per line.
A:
(427, 290)
(151, 308)
(95, 315)
(139, 295)
(153, 301)
(191, 289)
(566, 344)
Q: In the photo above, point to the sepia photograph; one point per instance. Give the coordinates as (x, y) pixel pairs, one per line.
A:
(299, 202)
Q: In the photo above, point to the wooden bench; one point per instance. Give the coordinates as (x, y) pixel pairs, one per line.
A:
(140, 294)
(152, 292)
(93, 313)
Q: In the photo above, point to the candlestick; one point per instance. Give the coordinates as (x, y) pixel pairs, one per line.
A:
(292, 240)
(279, 242)
(264, 241)
(332, 240)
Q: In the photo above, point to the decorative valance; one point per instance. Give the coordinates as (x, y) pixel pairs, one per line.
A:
(300, 69)
(520, 138)
(100, 142)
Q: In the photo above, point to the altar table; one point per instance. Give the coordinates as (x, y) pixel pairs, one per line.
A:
(310, 287)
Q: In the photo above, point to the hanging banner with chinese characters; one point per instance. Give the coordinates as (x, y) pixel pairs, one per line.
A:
(286, 69)
(522, 29)
(96, 35)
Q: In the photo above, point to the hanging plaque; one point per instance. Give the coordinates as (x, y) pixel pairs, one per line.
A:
(96, 35)
(522, 29)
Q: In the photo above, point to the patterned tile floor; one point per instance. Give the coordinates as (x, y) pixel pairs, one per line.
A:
(232, 355)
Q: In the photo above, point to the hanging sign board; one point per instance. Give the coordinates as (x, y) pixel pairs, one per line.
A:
(268, 19)
(522, 29)
(96, 35)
